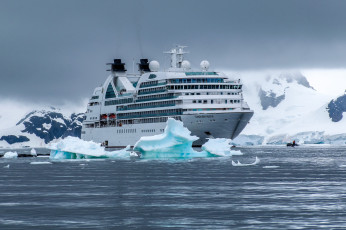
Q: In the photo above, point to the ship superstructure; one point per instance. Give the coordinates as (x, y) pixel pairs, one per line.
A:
(129, 106)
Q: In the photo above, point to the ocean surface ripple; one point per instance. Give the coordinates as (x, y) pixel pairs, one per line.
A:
(291, 188)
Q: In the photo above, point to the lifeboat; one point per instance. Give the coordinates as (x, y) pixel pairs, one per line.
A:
(104, 117)
(112, 116)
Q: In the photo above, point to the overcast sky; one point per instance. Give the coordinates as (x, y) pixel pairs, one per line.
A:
(55, 51)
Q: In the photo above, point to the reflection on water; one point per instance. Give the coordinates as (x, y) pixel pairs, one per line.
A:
(290, 188)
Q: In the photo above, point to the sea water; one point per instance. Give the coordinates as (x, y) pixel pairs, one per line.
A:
(291, 188)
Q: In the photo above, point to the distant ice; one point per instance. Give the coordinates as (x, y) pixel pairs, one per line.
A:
(7, 166)
(10, 155)
(257, 160)
(271, 167)
(40, 163)
(33, 152)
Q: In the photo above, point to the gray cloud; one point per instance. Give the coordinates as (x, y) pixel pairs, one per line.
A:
(52, 51)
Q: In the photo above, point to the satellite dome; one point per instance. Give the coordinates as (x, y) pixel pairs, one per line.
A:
(186, 64)
(205, 65)
(154, 66)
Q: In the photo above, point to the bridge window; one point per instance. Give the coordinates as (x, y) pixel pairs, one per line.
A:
(110, 91)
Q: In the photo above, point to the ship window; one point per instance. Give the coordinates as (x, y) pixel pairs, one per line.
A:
(204, 101)
(110, 91)
(211, 101)
(199, 101)
(194, 101)
(192, 93)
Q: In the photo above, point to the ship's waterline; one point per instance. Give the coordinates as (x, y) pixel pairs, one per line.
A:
(129, 106)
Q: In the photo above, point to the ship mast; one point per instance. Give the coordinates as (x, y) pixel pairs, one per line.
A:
(176, 57)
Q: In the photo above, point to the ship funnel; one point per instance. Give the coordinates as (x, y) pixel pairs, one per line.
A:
(117, 66)
(143, 66)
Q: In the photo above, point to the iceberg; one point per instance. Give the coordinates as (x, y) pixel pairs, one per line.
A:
(10, 155)
(75, 148)
(176, 142)
(33, 152)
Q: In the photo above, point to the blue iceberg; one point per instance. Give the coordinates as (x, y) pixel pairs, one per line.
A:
(176, 142)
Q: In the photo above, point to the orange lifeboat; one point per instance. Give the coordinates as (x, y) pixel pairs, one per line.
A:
(112, 116)
(103, 116)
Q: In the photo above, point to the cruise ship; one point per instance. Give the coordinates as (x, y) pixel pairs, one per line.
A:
(129, 106)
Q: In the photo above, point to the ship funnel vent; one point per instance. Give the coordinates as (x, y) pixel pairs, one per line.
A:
(117, 66)
(143, 65)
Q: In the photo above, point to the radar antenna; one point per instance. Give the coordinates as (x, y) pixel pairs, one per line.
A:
(177, 56)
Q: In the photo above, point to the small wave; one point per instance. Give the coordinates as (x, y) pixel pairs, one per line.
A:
(342, 166)
(240, 164)
(271, 167)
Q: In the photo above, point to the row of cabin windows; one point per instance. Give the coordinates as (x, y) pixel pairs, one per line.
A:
(156, 97)
(200, 73)
(148, 131)
(151, 113)
(135, 121)
(147, 105)
(212, 93)
(119, 101)
(126, 131)
(171, 87)
(196, 80)
(212, 101)
(152, 90)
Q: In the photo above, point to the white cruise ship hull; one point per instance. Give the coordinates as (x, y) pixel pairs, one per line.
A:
(214, 125)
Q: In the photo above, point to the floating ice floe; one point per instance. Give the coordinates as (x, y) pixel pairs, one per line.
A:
(7, 166)
(240, 164)
(10, 155)
(40, 163)
(33, 152)
(271, 167)
(75, 148)
(176, 142)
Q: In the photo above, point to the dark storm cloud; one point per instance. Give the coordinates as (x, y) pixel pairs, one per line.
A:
(52, 51)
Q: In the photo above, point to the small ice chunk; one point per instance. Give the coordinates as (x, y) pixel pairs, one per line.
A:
(240, 164)
(11, 155)
(271, 167)
(33, 152)
(40, 163)
(7, 166)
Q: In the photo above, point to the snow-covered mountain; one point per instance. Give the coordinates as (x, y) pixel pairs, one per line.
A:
(288, 108)
(40, 127)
